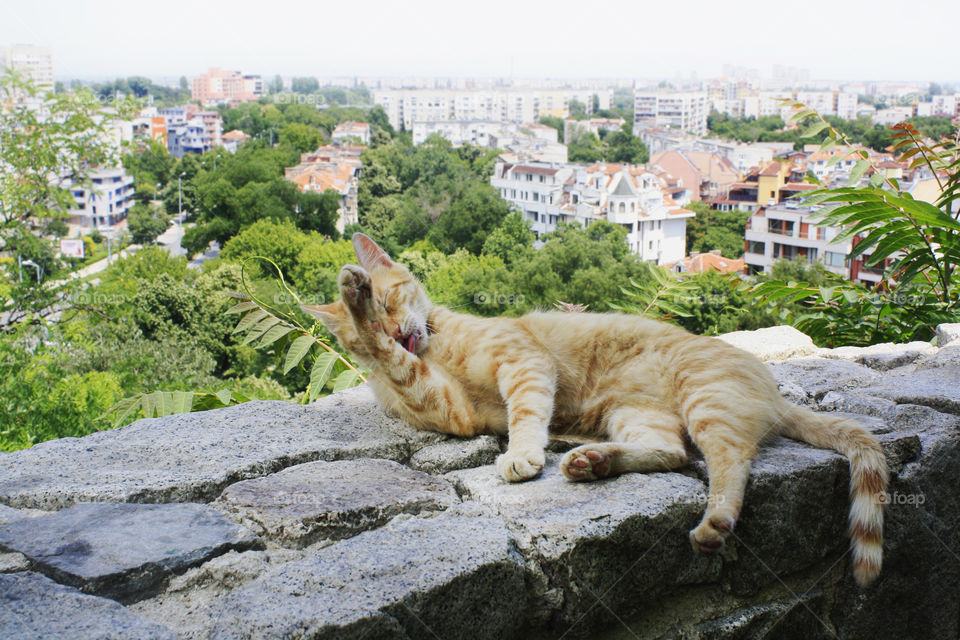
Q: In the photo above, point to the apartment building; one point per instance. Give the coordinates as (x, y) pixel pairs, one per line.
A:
(190, 130)
(404, 107)
(104, 201)
(331, 168)
(760, 104)
(218, 86)
(548, 194)
(33, 62)
(707, 174)
(683, 110)
(783, 232)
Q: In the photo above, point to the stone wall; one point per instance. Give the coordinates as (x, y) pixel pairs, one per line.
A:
(274, 520)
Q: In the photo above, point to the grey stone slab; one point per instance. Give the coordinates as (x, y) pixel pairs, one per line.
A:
(330, 500)
(818, 376)
(33, 607)
(853, 403)
(948, 333)
(456, 454)
(631, 531)
(10, 562)
(881, 357)
(123, 551)
(937, 388)
(9, 514)
(457, 574)
(948, 356)
(772, 343)
(192, 457)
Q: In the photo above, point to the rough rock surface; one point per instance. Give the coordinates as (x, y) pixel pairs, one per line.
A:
(772, 343)
(948, 334)
(482, 558)
(192, 457)
(328, 500)
(33, 606)
(456, 454)
(123, 551)
(454, 575)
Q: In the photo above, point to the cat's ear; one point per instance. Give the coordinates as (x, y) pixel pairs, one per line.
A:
(369, 254)
(330, 314)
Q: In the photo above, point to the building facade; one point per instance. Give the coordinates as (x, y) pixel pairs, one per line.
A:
(682, 110)
(35, 63)
(331, 168)
(218, 86)
(104, 201)
(784, 232)
(549, 194)
(502, 104)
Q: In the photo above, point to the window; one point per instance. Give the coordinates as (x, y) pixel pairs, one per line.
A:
(529, 177)
(623, 207)
(784, 251)
(834, 259)
(754, 246)
(780, 227)
(542, 178)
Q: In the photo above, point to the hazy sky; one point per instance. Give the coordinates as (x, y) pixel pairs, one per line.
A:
(839, 39)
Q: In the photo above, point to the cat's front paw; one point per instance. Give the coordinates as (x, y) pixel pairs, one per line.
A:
(517, 466)
(356, 291)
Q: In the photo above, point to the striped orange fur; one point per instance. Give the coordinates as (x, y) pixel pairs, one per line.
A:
(640, 388)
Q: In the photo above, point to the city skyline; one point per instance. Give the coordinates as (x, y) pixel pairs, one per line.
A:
(105, 38)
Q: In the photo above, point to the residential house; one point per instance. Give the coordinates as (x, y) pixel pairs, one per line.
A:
(572, 128)
(707, 174)
(233, 140)
(347, 132)
(548, 194)
(331, 168)
(777, 182)
(710, 261)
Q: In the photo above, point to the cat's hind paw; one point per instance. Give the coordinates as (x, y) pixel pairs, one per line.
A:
(517, 466)
(587, 462)
(711, 535)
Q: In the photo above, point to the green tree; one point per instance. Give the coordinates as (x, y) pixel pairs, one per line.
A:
(301, 137)
(512, 240)
(710, 229)
(145, 223)
(555, 122)
(623, 146)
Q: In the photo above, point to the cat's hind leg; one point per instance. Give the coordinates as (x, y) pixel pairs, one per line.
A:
(728, 466)
(641, 440)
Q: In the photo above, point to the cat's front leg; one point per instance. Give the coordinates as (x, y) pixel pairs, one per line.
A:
(527, 385)
(356, 291)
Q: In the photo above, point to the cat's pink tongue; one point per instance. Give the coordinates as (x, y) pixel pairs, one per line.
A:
(412, 343)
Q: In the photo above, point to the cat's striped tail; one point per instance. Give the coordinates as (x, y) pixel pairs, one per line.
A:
(868, 479)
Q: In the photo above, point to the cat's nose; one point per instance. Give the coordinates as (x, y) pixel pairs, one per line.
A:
(396, 333)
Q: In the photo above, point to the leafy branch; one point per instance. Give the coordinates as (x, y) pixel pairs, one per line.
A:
(657, 299)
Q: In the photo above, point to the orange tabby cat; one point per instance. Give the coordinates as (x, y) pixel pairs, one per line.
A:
(642, 386)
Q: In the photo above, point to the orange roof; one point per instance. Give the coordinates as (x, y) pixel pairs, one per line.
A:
(712, 261)
(236, 134)
(771, 169)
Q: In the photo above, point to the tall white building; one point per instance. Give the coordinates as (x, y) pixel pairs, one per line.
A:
(502, 104)
(630, 196)
(34, 62)
(105, 200)
(683, 110)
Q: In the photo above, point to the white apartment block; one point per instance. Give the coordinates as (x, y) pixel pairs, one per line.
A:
(404, 107)
(784, 232)
(105, 200)
(686, 111)
(548, 194)
(842, 104)
(941, 105)
(36, 63)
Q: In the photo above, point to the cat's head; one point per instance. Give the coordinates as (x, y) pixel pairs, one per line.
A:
(401, 306)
